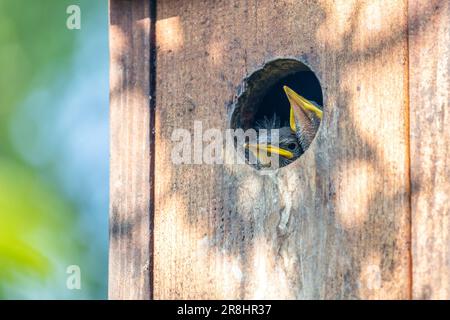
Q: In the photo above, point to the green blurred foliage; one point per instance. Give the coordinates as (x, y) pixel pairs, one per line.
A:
(39, 235)
(31, 223)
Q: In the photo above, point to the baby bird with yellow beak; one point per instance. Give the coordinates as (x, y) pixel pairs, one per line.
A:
(293, 140)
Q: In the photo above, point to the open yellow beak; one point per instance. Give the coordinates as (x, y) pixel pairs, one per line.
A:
(297, 100)
(263, 151)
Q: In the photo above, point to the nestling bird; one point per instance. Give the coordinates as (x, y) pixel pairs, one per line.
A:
(293, 139)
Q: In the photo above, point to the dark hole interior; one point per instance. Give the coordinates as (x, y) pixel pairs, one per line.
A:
(274, 100)
(262, 93)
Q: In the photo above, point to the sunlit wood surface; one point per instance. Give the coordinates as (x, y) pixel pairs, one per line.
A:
(340, 223)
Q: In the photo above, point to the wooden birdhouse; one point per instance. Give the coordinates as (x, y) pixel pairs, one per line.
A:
(364, 213)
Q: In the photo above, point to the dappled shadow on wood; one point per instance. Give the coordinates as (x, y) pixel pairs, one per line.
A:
(337, 223)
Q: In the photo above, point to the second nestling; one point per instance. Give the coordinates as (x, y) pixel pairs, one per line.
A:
(293, 138)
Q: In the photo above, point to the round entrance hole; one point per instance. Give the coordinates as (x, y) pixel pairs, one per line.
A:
(265, 102)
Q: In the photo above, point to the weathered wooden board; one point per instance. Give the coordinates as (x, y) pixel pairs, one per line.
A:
(130, 264)
(336, 224)
(429, 43)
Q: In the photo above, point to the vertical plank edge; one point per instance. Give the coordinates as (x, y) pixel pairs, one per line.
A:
(429, 56)
(130, 147)
(152, 95)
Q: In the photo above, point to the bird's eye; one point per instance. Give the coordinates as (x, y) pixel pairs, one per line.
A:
(292, 146)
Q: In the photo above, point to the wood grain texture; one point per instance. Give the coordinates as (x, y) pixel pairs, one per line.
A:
(333, 225)
(429, 43)
(129, 274)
